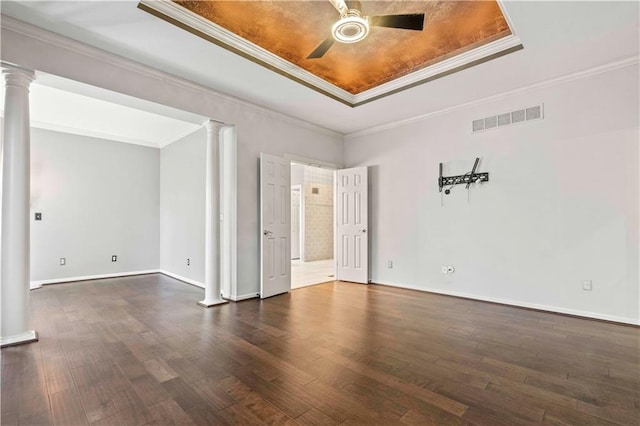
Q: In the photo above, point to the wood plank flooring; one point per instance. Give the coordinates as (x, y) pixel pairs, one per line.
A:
(138, 351)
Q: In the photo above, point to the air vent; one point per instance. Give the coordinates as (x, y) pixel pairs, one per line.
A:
(517, 116)
(490, 122)
(504, 119)
(507, 118)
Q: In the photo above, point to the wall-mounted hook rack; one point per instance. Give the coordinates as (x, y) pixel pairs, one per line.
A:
(467, 178)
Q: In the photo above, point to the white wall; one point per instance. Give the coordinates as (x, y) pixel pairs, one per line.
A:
(259, 133)
(97, 198)
(258, 129)
(561, 205)
(182, 196)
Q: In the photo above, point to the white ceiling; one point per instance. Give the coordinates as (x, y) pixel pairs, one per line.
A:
(559, 38)
(60, 110)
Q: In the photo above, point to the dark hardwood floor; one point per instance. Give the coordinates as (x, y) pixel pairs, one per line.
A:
(139, 350)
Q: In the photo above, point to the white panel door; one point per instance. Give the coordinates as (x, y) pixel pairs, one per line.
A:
(275, 229)
(352, 245)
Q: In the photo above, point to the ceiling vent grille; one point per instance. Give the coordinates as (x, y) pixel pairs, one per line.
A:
(508, 118)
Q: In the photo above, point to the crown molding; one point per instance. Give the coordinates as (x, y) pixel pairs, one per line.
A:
(441, 69)
(214, 33)
(612, 66)
(25, 29)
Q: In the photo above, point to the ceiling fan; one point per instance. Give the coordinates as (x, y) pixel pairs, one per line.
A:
(353, 27)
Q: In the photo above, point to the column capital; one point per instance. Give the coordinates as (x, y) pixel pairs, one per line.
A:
(213, 126)
(17, 76)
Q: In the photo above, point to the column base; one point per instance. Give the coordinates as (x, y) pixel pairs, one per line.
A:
(211, 302)
(19, 339)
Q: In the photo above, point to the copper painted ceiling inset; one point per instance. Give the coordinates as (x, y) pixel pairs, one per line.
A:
(293, 29)
(280, 35)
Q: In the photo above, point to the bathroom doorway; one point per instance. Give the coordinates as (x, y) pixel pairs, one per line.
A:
(312, 225)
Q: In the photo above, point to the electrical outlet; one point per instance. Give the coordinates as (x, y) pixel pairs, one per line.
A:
(450, 269)
(188, 262)
(114, 258)
(63, 261)
(390, 264)
(444, 269)
(587, 285)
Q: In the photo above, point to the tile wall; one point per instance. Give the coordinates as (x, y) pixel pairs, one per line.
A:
(318, 213)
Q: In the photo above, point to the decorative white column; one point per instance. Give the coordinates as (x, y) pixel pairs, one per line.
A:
(212, 218)
(15, 209)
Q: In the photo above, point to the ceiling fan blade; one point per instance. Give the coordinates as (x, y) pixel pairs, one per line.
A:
(340, 6)
(321, 49)
(412, 21)
(354, 4)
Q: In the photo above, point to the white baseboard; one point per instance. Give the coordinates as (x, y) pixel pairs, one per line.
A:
(181, 278)
(555, 309)
(243, 297)
(26, 337)
(40, 283)
(201, 285)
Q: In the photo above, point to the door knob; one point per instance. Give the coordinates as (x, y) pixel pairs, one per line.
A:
(364, 230)
(265, 232)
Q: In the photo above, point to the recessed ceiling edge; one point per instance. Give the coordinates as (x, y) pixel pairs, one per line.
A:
(179, 16)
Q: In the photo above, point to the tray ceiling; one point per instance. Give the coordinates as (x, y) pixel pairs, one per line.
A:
(281, 34)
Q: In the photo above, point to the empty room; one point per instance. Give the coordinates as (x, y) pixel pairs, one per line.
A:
(320, 212)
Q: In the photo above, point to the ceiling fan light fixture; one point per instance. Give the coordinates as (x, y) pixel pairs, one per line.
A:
(350, 28)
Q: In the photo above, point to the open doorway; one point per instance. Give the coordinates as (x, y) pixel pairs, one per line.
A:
(312, 225)
(109, 168)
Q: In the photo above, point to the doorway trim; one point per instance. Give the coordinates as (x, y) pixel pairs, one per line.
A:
(306, 161)
(298, 187)
(311, 162)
